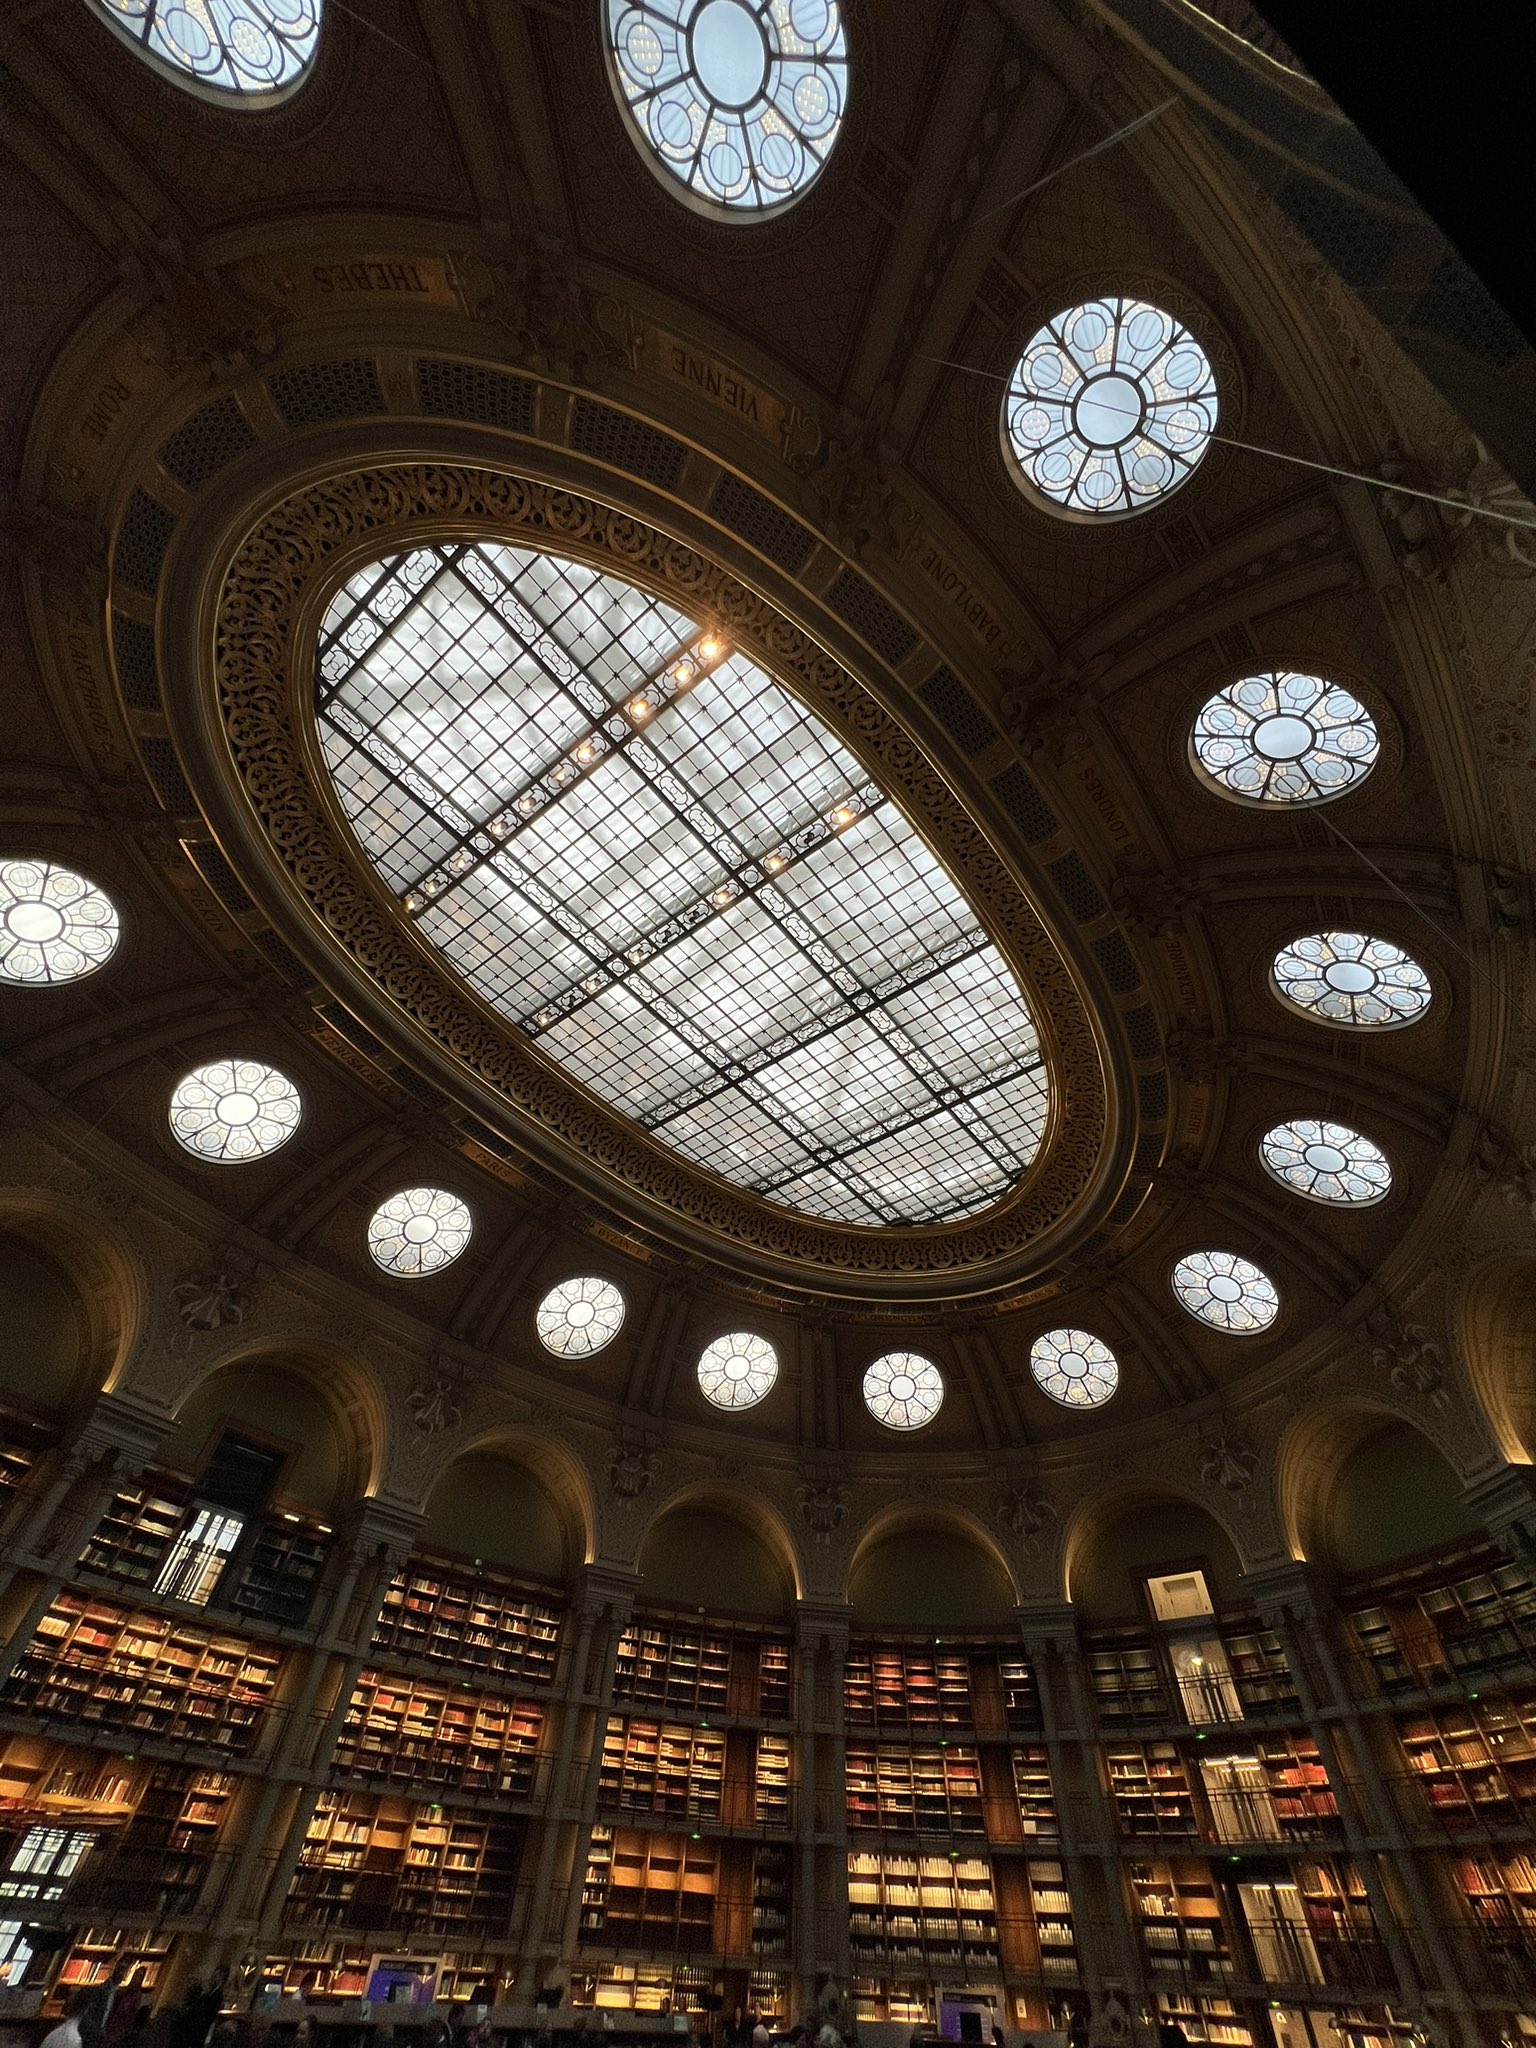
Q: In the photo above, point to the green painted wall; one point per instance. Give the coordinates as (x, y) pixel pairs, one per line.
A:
(929, 1578)
(697, 1557)
(42, 1332)
(1107, 1580)
(489, 1506)
(270, 1403)
(1394, 1497)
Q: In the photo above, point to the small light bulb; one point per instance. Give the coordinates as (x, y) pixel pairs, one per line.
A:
(842, 816)
(720, 898)
(709, 646)
(638, 708)
(773, 862)
(585, 751)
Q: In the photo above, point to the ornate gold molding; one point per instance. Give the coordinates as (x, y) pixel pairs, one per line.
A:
(273, 591)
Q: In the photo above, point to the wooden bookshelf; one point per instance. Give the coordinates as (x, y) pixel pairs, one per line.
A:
(666, 1768)
(1125, 1678)
(1256, 1661)
(922, 1916)
(409, 1732)
(1216, 2020)
(909, 1691)
(674, 1669)
(281, 1572)
(19, 1453)
(1151, 1793)
(393, 1865)
(1471, 1619)
(1050, 1905)
(96, 1951)
(478, 1622)
(906, 1791)
(903, 2005)
(1475, 1762)
(1178, 1915)
(141, 1674)
(1034, 1792)
(160, 1861)
(130, 1541)
(1021, 1698)
(772, 1768)
(650, 1891)
(1275, 1790)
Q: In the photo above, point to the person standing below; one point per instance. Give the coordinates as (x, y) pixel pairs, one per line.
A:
(761, 2038)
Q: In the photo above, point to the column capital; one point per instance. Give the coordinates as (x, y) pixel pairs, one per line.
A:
(822, 1621)
(373, 1526)
(1505, 1503)
(1052, 1623)
(130, 1423)
(605, 1586)
(1293, 1583)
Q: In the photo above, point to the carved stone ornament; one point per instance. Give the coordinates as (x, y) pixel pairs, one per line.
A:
(1511, 1168)
(1042, 713)
(849, 492)
(631, 1467)
(265, 674)
(1414, 1364)
(202, 321)
(1488, 516)
(823, 1505)
(1153, 905)
(541, 312)
(1024, 1510)
(435, 1405)
(211, 1300)
(1228, 1460)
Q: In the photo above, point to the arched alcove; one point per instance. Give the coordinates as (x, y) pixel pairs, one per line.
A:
(45, 1347)
(286, 1403)
(489, 1506)
(1391, 1495)
(703, 1551)
(1498, 1343)
(1120, 1541)
(929, 1571)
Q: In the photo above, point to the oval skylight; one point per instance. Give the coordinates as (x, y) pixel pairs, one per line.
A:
(738, 1371)
(418, 1231)
(1352, 979)
(1074, 1367)
(1284, 738)
(1327, 1162)
(55, 926)
(579, 1317)
(254, 48)
(903, 1390)
(1227, 1291)
(645, 854)
(739, 100)
(234, 1110)
(1111, 406)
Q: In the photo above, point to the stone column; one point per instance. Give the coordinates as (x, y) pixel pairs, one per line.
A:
(529, 1909)
(820, 1880)
(611, 1597)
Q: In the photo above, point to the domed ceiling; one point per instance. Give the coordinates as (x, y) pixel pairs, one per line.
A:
(711, 767)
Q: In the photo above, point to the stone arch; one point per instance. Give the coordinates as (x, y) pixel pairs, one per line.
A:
(105, 1277)
(1319, 1463)
(340, 1384)
(735, 1503)
(552, 1465)
(933, 1519)
(1496, 1329)
(1100, 1512)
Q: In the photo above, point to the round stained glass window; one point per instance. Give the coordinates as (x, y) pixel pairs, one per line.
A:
(1326, 1162)
(234, 1110)
(1074, 1368)
(54, 925)
(739, 100)
(251, 47)
(737, 1371)
(1110, 407)
(418, 1231)
(1284, 738)
(579, 1317)
(1228, 1292)
(903, 1390)
(1352, 979)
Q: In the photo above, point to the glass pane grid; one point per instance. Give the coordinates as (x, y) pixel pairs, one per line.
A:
(710, 918)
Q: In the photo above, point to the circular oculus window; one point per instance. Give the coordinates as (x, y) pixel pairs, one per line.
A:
(1351, 979)
(55, 926)
(1227, 1291)
(234, 1110)
(418, 1231)
(1111, 406)
(253, 49)
(740, 101)
(903, 1390)
(1326, 1162)
(1074, 1367)
(1284, 738)
(579, 1317)
(737, 1371)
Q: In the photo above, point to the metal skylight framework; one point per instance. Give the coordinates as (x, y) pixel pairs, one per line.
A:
(249, 47)
(636, 846)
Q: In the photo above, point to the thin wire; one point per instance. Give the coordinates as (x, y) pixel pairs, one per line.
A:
(1082, 157)
(1442, 932)
(1462, 506)
(363, 22)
